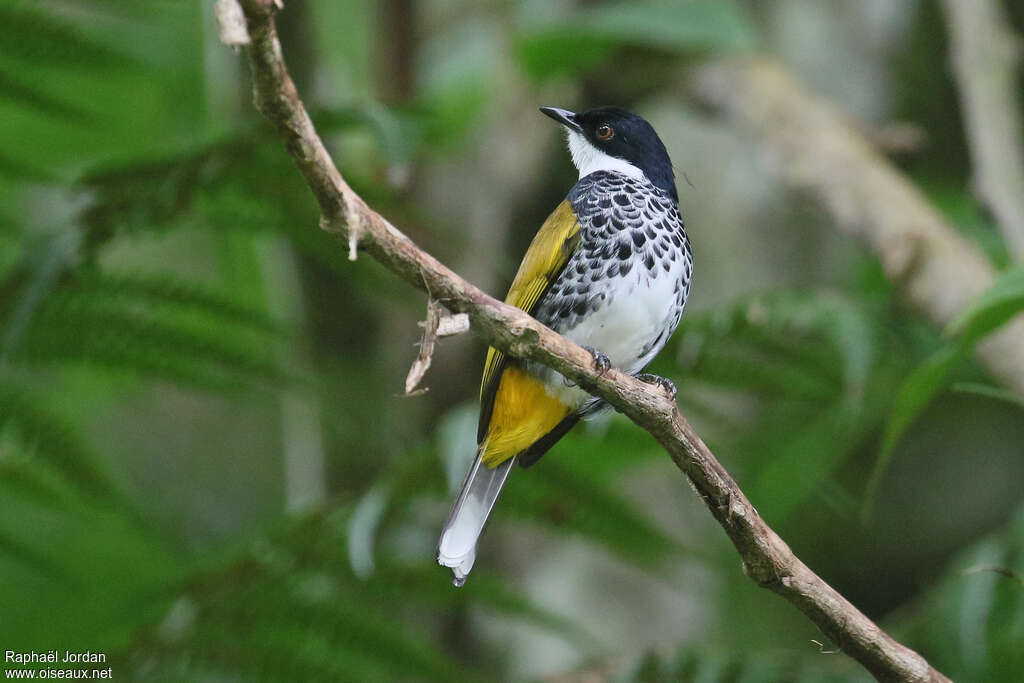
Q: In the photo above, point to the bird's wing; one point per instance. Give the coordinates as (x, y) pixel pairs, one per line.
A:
(550, 250)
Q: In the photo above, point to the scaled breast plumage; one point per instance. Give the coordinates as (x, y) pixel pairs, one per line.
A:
(627, 226)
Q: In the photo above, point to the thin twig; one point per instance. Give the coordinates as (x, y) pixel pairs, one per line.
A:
(995, 569)
(766, 557)
(427, 342)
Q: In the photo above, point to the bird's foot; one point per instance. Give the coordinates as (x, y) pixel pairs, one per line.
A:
(601, 361)
(665, 383)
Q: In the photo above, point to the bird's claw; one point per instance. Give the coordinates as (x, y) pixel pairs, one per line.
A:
(665, 383)
(601, 361)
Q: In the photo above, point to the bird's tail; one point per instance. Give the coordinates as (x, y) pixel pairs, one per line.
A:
(469, 513)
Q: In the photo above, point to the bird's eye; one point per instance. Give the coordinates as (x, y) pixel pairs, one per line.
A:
(605, 132)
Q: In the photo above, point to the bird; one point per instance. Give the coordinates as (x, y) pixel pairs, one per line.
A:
(609, 269)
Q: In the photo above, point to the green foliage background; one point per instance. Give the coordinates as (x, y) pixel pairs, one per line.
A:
(207, 470)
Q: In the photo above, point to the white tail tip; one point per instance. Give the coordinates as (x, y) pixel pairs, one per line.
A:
(457, 547)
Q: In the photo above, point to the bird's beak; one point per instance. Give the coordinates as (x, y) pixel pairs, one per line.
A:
(564, 117)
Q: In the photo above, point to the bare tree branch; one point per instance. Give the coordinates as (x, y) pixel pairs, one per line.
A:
(986, 56)
(819, 151)
(766, 557)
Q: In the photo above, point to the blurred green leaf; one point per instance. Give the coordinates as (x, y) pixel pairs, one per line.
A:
(322, 629)
(704, 665)
(854, 334)
(25, 287)
(996, 306)
(262, 628)
(29, 33)
(72, 328)
(605, 447)
(147, 194)
(417, 584)
(154, 293)
(972, 619)
(553, 53)
(589, 34)
(324, 545)
(962, 208)
(812, 361)
(116, 571)
(396, 133)
(988, 391)
(993, 308)
(39, 99)
(294, 597)
(55, 442)
(457, 66)
(797, 465)
(130, 344)
(22, 170)
(569, 501)
(747, 365)
(674, 26)
(915, 394)
(785, 345)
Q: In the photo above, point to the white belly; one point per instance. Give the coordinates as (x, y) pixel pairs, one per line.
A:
(623, 328)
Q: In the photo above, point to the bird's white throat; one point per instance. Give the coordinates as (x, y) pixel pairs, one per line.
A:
(589, 159)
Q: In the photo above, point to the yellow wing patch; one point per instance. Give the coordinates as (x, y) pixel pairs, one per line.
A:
(516, 409)
(554, 243)
(523, 412)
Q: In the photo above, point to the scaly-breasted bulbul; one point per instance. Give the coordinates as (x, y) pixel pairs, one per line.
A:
(609, 269)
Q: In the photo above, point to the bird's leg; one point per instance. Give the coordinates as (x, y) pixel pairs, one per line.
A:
(601, 364)
(601, 361)
(665, 383)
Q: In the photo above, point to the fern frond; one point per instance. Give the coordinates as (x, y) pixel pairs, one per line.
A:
(755, 369)
(394, 138)
(807, 330)
(55, 442)
(268, 650)
(394, 583)
(148, 194)
(41, 37)
(38, 99)
(154, 292)
(568, 501)
(972, 618)
(143, 8)
(798, 455)
(322, 547)
(294, 617)
(19, 552)
(128, 343)
(360, 628)
(27, 285)
(699, 664)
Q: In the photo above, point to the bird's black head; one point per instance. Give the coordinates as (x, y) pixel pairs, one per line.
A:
(609, 138)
